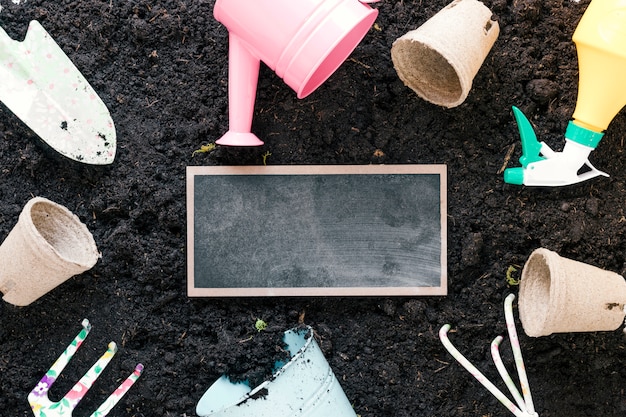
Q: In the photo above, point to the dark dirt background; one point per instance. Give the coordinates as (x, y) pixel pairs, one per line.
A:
(161, 68)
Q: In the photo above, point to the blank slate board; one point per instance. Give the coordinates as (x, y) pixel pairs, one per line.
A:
(316, 230)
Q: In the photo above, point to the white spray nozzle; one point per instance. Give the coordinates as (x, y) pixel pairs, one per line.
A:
(541, 166)
(561, 168)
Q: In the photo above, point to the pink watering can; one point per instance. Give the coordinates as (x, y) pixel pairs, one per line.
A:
(302, 41)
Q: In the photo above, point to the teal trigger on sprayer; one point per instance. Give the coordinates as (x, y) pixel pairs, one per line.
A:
(600, 40)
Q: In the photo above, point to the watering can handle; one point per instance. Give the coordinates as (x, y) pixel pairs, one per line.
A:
(369, 1)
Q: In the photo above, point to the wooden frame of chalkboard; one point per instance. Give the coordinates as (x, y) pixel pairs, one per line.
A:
(316, 230)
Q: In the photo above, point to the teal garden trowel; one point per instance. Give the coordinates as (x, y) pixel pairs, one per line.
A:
(41, 85)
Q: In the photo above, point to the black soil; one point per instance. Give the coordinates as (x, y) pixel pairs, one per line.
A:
(161, 68)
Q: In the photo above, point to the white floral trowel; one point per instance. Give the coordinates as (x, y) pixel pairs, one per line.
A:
(41, 85)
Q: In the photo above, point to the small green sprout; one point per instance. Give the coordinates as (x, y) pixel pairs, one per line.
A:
(260, 325)
(264, 156)
(204, 149)
(511, 275)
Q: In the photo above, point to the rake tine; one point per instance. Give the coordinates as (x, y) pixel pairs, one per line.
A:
(504, 374)
(524, 407)
(38, 397)
(117, 395)
(517, 353)
(480, 377)
(79, 390)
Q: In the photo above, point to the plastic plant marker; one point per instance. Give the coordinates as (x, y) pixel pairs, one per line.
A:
(42, 87)
(42, 406)
(525, 407)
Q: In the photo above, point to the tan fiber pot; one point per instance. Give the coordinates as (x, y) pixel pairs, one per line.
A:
(47, 246)
(559, 295)
(440, 59)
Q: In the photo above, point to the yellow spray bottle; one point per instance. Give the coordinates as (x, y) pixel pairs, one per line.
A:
(600, 40)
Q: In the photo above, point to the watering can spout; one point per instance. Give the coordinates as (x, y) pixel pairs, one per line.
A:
(243, 74)
(303, 42)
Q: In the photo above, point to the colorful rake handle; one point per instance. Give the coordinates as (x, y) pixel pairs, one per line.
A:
(38, 397)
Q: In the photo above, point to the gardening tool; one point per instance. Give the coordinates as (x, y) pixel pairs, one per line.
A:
(41, 86)
(303, 41)
(600, 39)
(524, 401)
(304, 386)
(440, 59)
(43, 407)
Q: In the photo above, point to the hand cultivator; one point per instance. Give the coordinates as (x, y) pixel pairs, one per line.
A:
(43, 407)
(524, 407)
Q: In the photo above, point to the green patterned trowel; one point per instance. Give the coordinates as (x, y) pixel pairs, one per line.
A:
(41, 85)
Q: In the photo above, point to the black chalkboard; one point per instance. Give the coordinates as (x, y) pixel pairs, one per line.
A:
(316, 230)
